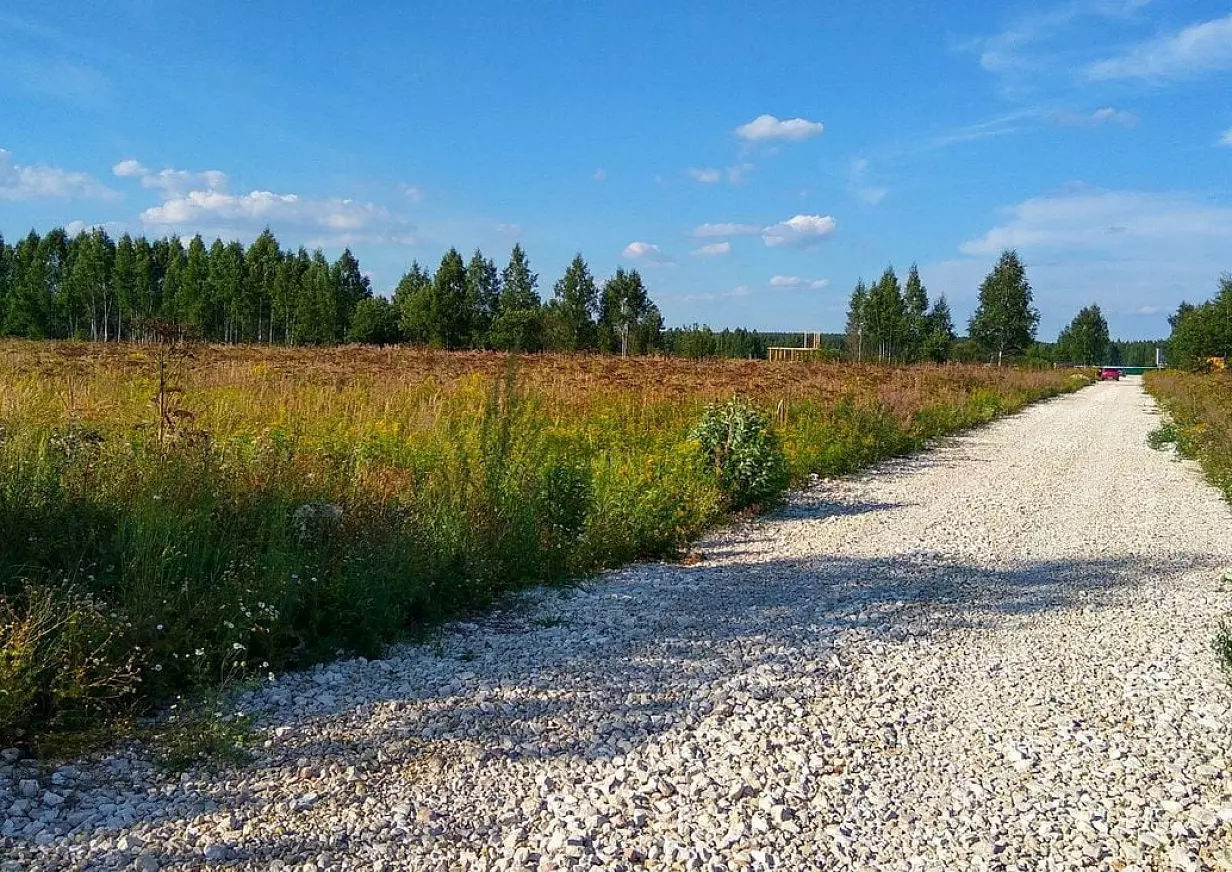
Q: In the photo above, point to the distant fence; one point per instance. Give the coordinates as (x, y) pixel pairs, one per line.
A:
(808, 355)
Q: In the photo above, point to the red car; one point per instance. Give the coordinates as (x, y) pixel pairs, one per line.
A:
(1109, 373)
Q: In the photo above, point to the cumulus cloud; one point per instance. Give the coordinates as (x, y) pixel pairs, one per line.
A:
(801, 231)
(200, 200)
(714, 249)
(797, 282)
(647, 252)
(707, 231)
(39, 182)
(1226, 139)
(1198, 48)
(337, 214)
(767, 128)
(171, 182)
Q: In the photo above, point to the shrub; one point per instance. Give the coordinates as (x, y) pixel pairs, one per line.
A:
(743, 451)
(65, 661)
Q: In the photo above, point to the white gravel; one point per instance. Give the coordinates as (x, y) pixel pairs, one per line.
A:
(995, 655)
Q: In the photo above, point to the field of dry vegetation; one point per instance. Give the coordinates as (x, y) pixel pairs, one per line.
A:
(172, 519)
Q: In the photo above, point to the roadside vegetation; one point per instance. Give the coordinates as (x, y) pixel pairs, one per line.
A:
(174, 517)
(1197, 399)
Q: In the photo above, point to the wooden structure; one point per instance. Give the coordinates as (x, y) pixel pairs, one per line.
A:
(810, 352)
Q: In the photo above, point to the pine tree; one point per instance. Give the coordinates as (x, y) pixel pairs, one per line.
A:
(482, 299)
(518, 325)
(915, 316)
(571, 314)
(940, 332)
(27, 309)
(1004, 321)
(447, 303)
(352, 287)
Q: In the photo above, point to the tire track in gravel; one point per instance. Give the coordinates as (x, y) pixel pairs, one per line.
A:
(992, 655)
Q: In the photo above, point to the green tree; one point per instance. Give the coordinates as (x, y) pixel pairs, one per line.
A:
(885, 317)
(571, 314)
(915, 316)
(629, 322)
(518, 325)
(226, 283)
(448, 316)
(1085, 340)
(412, 302)
(857, 314)
(6, 261)
(352, 287)
(482, 299)
(318, 307)
(1004, 322)
(375, 322)
(939, 335)
(1202, 331)
(28, 307)
(260, 272)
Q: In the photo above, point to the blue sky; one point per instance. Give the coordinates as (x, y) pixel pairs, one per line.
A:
(752, 160)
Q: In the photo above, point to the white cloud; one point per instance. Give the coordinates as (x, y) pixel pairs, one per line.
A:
(714, 249)
(646, 252)
(599, 174)
(1081, 218)
(737, 291)
(801, 231)
(708, 231)
(413, 193)
(511, 230)
(200, 201)
(857, 183)
(171, 182)
(39, 182)
(1098, 118)
(739, 173)
(1226, 139)
(706, 176)
(797, 282)
(1199, 48)
(765, 128)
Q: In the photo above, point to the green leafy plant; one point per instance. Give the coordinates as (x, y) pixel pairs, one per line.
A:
(746, 456)
(1161, 436)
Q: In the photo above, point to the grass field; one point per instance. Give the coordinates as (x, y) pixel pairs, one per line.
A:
(170, 521)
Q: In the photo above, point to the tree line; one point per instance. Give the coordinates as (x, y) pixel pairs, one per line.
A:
(1203, 331)
(89, 286)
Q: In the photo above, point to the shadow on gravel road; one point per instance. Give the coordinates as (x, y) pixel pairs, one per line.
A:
(730, 627)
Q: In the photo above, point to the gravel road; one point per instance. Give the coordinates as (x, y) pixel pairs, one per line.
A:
(994, 655)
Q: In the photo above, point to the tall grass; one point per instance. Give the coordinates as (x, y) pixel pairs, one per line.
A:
(1200, 408)
(168, 523)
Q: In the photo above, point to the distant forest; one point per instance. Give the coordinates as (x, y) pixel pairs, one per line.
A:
(90, 286)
